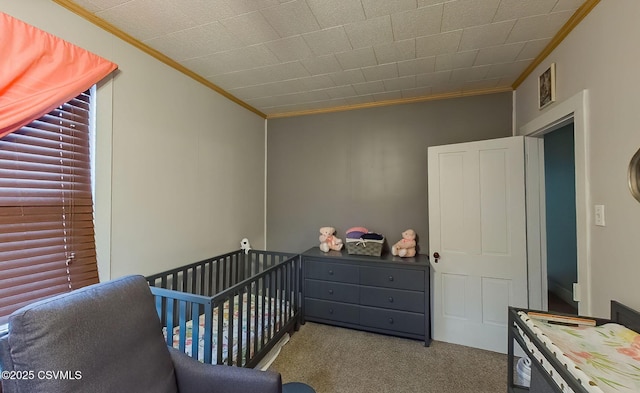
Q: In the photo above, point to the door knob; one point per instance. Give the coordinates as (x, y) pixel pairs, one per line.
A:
(436, 256)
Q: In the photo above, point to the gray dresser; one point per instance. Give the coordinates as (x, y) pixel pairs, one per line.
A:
(384, 294)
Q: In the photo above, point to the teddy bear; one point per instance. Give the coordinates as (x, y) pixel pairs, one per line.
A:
(328, 241)
(405, 247)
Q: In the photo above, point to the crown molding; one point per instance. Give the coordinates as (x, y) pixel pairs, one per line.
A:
(575, 19)
(434, 97)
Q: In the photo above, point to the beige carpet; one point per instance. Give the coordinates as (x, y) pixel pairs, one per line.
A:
(337, 360)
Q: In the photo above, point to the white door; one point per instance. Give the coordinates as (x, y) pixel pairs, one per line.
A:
(477, 227)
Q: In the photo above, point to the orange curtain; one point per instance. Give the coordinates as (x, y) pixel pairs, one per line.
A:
(39, 72)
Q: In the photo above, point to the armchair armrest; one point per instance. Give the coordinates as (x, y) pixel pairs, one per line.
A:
(195, 377)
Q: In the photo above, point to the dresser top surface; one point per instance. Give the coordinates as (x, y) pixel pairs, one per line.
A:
(418, 260)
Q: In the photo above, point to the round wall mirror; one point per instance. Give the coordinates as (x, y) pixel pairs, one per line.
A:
(634, 175)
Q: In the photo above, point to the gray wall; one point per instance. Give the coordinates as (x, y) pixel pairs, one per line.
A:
(366, 167)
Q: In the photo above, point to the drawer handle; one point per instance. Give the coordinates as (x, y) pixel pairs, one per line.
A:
(331, 272)
(331, 311)
(390, 299)
(390, 278)
(391, 321)
(330, 291)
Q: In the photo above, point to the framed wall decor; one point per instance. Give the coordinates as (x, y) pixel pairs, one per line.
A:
(547, 86)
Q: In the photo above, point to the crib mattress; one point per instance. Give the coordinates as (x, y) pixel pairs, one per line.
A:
(271, 319)
(606, 358)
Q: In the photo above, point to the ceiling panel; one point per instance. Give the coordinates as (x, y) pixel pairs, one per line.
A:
(280, 56)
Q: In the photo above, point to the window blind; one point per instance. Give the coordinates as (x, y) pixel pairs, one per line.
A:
(47, 243)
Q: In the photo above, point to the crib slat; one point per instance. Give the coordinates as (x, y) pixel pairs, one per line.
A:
(170, 322)
(195, 330)
(220, 335)
(238, 348)
(208, 332)
(268, 281)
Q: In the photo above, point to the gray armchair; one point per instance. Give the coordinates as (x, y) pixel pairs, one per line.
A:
(108, 338)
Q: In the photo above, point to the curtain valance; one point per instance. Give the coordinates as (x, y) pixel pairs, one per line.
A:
(39, 71)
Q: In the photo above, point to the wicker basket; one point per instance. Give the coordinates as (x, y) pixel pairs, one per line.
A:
(364, 247)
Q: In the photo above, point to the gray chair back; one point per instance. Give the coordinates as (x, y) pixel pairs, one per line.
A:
(102, 338)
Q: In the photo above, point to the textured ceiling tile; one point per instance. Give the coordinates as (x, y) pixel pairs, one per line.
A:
(233, 60)
(395, 51)
(514, 9)
(402, 83)
(369, 87)
(291, 18)
(361, 99)
(331, 13)
(321, 64)
(485, 35)
(426, 3)
(469, 74)
(281, 72)
(433, 79)
(358, 58)
(161, 17)
(245, 6)
(532, 49)
(538, 27)
(289, 49)
(435, 45)
(373, 8)
(207, 11)
(380, 72)
(195, 42)
(324, 42)
(460, 14)
(480, 84)
(455, 60)
(251, 28)
(416, 66)
(417, 92)
(317, 82)
(349, 77)
(568, 5)
(387, 96)
(499, 54)
(507, 69)
(423, 21)
(340, 91)
(370, 32)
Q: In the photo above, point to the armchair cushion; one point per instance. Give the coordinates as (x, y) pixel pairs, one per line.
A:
(101, 338)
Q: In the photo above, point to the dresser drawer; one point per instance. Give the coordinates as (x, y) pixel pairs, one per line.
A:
(327, 271)
(329, 290)
(398, 321)
(340, 312)
(395, 299)
(393, 278)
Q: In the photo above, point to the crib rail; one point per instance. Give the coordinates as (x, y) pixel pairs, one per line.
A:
(216, 274)
(261, 294)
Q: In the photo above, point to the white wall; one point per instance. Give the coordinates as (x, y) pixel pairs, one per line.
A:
(180, 169)
(599, 56)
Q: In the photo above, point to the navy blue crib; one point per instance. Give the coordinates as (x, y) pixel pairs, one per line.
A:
(232, 308)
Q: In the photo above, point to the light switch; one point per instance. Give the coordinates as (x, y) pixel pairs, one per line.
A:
(599, 215)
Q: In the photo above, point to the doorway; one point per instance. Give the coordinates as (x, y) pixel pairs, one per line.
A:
(570, 111)
(560, 203)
